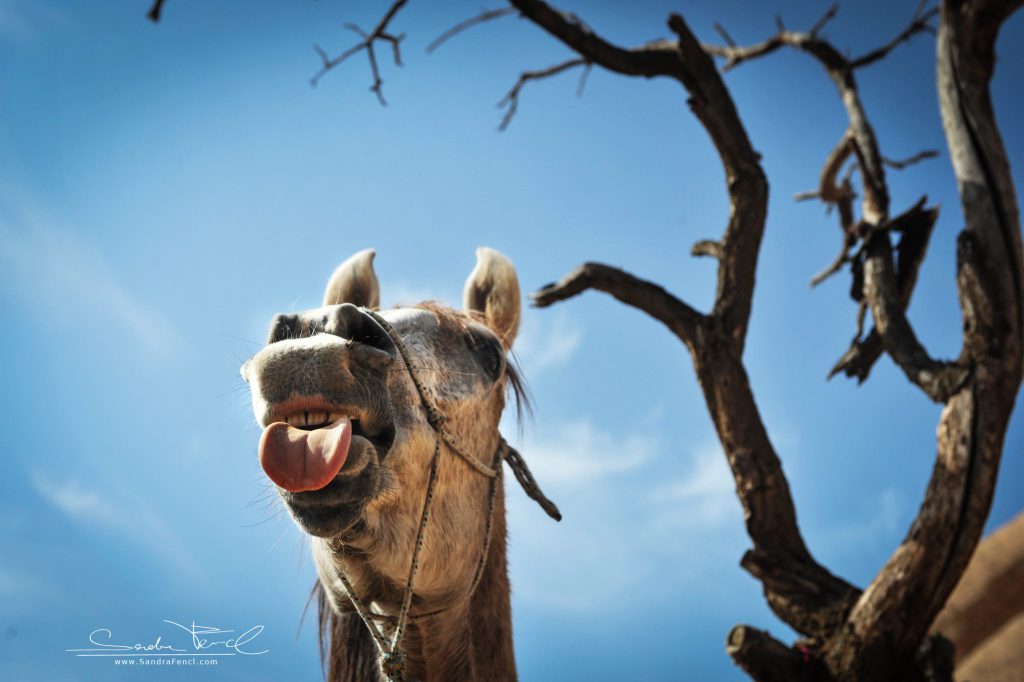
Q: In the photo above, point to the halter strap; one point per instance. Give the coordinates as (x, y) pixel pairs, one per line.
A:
(392, 658)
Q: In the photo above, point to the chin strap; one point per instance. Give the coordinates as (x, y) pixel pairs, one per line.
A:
(392, 658)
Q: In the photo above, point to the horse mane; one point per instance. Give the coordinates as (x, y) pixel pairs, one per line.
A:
(347, 650)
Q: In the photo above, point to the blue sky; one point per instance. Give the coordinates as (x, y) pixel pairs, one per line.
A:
(166, 189)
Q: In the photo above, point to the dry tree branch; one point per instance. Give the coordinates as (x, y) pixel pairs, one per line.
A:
(765, 658)
(485, 16)
(890, 619)
(380, 32)
(841, 259)
(818, 599)
(895, 613)
(154, 12)
(860, 141)
(646, 296)
(900, 164)
(511, 99)
(920, 23)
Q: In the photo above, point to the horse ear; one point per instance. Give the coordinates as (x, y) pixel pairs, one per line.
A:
(493, 289)
(355, 282)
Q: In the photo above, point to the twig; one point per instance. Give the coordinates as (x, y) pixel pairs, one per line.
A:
(919, 23)
(725, 35)
(900, 164)
(707, 247)
(511, 99)
(367, 43)
(584, 75)
(155, 10)
(827, 17)
(486, 15)
(842, 259)
(822, 50)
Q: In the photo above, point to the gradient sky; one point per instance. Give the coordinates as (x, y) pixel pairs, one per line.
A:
(164, 190)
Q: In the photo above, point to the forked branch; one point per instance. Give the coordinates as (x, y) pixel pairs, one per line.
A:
(379, 33)
(716, 340)
(511, 100)
(650, 298)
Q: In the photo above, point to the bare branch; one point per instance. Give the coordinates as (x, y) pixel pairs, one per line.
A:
(915, 226)
(900, 164)
(840, 260)
(829, 191)
(827, 17)
(511, 99)
(654, 59)
(584, 75)
(687, 62)
(787, 583)
(765, 658)
(379, 33)
(155, 10)
(839, 194)
(860, 141)
(715, 340)
(707, 247)
(897, 609)
(485, 16)
(939, 380)
(920, 23)
(725, 35)
(831, 58)
(652, 299)
(736, 55)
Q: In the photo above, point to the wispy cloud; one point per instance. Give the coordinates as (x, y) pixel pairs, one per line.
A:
(884, 518)
(704, 496)
(547, 340)
(577, 453)
(21, 21)
(67, 279)
(14, 583)
(79, 503)
(116, 511)
(632, 515)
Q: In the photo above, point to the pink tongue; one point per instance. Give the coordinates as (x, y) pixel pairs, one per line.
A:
(300, 460)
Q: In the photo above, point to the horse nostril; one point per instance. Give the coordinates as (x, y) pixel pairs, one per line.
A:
(349, 322)
(283, 327)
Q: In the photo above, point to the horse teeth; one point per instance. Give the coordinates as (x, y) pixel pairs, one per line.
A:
(312, 418)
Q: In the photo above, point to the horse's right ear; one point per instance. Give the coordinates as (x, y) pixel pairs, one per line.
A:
(355, 282)
(493, 289)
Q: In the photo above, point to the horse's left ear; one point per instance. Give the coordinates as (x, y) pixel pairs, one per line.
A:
(355, 282)
(493, 289)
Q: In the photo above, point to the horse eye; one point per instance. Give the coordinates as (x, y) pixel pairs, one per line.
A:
(494, 361)
(490, 356)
